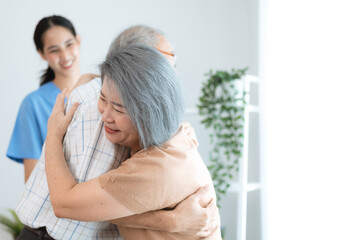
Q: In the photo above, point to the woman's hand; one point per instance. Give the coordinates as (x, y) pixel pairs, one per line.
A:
(58, 122)
(85, 78)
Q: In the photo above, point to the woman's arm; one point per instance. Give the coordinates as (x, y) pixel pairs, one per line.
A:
(29, 165)
(86, 201)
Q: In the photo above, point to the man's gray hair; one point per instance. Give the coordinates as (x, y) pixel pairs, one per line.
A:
(149, 89)
(140, 34)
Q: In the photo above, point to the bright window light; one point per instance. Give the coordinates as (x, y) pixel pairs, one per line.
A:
(310, 71)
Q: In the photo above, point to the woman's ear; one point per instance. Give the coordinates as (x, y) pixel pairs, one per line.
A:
(78, 39)
(42, 55)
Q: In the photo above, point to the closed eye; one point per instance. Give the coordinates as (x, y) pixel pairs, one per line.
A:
(103, 99)
(117, 109)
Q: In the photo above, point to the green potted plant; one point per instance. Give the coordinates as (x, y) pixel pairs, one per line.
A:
(13, 224)
(222, 108)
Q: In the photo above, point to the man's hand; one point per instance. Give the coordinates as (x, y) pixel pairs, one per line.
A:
(197, 215)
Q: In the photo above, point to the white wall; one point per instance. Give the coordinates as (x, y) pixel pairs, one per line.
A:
(311, 106)
(206, 34)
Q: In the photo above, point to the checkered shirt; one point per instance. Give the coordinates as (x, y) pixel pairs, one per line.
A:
(88, 154)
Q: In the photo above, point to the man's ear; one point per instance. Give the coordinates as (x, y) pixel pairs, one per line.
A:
(42, 55)
(78, 39)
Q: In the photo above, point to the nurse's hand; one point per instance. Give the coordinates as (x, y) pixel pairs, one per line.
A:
(59, 121)
(85, 78)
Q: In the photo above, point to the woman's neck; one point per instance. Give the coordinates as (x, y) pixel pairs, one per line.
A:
(134, 150)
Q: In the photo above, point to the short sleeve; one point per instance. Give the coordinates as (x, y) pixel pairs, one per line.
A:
(159, 177)
(26, 140)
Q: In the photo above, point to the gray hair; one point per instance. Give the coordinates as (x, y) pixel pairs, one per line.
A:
(149, 89)
(140, 34)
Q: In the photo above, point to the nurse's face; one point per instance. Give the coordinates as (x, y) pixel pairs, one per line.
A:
(61, 51)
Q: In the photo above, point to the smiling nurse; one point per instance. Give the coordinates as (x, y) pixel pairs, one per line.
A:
(57, 43)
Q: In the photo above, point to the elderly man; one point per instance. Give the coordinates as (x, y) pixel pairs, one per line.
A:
(89, 154)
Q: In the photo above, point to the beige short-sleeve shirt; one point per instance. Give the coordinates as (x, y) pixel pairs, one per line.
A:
(159, 178)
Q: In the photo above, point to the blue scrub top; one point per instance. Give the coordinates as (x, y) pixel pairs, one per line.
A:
(30, 128)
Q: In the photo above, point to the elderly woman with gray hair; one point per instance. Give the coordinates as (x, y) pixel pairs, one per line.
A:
(141, 105)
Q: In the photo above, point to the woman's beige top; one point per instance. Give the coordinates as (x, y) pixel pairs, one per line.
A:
(159, 178)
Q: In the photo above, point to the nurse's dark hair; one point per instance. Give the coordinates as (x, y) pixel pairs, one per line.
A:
(43, 25)
(149, 89)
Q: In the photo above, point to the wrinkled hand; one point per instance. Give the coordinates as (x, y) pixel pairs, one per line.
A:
(198, 214)
(59, 121)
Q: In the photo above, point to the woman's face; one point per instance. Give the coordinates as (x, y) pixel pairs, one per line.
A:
(117, 123)
(61, 50)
